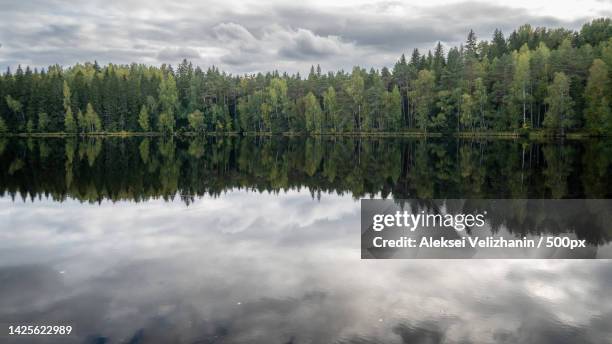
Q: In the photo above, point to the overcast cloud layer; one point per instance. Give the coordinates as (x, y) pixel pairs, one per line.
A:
(252, 36)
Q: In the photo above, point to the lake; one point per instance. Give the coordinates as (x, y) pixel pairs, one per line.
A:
(257, 240)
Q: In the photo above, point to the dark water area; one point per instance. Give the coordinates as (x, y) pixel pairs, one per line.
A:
(257, 240)
(138, 169)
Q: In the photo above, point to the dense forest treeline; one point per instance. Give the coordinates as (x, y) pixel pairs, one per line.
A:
(552, 79)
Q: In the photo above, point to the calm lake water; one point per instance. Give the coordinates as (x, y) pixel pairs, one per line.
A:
(257, 240)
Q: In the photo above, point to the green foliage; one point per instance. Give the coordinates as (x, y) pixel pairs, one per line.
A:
(168, 95)
(332, 112)
(81, 121)
(277, 108)
(466, 117)
(520, 84)
(196, 120)
(3, 127)
(446, 107)
(143, 119)
(70, 126)
(354, 88)
(598, 94)
(313, 114)
(560, 114)
(423, 96)
(67, 97)
(14, 104)
(91, 120)
(43, 121)
(165, 123)
(393, 109)
(30, 126)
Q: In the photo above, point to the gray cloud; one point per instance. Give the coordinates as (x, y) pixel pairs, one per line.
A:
(304, 45)
(178, 53)
(255, 37)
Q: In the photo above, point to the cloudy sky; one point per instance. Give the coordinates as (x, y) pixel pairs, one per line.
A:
(251, 36)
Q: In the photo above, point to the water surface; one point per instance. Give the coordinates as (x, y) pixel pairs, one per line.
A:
(258, 241)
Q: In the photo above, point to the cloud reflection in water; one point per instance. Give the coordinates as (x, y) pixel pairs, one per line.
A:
(267, 268)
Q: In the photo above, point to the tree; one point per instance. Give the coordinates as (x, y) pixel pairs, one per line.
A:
(92, 122)
(423, 96)
(498, 45)
(67, 96)
(471, 44)
(266, 109)
(196, 120)
(165, 123)
(16, 107)
(598, 94)
(82, 127)
(355, 90)
(521, 80)
(560, 105)
(332, 113)
(393, 109)
(466, 117)
(143, 118)
(70, 125)
(446, 105)
(279, 104)
(541, 74)
(438, 62)
(480, 100)
(3, 127)
(43, 121)
(313, 113)
(168, 102)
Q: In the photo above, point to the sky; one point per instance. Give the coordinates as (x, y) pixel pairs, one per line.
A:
(253, 36)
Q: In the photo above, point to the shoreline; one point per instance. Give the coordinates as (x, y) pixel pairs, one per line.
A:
(531, 135)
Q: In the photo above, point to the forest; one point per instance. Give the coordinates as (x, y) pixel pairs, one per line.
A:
(552, 81)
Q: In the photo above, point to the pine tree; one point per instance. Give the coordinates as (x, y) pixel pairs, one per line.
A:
(498, 45)
(438, 62)
(471, 44)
